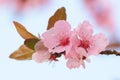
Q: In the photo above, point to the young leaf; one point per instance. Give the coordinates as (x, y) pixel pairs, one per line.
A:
(23, 32)
(30, 43)
(60, 14)
(23, 53)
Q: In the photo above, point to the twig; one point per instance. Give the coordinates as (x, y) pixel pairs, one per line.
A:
(110, 52)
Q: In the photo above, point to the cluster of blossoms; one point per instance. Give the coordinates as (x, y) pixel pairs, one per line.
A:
(76, 45)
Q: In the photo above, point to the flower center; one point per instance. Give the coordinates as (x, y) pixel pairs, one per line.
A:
(84, 43)
(64, 42)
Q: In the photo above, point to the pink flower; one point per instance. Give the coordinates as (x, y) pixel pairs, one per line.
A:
(57, 38)
(77, 45)
(84, 44)
(76, 58)
(93, 44)
(42, 54)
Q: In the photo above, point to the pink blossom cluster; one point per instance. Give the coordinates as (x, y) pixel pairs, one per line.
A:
(76, 45)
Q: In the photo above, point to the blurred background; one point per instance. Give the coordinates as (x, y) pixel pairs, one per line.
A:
(34, 15)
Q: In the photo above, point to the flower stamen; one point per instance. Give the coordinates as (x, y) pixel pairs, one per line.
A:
(64, 42)
(84, 43)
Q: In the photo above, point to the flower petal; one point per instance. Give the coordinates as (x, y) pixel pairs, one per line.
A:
(53, 36)
(49, 38)
(81, 52)
(85, 30)
(42, 54)
(98, 44)
(73, 63)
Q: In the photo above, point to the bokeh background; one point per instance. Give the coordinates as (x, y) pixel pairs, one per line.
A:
(102, 67)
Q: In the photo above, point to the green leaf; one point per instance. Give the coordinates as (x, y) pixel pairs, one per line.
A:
(60, 14)
(30, 43)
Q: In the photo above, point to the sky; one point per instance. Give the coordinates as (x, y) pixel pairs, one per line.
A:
(101, 67)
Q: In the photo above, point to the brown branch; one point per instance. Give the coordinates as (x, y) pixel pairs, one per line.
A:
(110, 52)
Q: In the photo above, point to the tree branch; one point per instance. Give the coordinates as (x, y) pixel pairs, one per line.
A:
(110, 52)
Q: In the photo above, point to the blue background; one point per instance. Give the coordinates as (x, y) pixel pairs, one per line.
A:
(102, 67)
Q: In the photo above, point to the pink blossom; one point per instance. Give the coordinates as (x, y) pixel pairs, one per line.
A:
(76, 58)
(78, 44)
(84, 44)
(57, 38)
(93, 44)
(42, 54)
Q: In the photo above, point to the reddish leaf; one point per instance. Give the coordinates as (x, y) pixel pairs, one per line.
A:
(23, 32)
(23, 53)
(60, 14)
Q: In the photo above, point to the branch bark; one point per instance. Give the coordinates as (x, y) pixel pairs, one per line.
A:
(110, 52)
